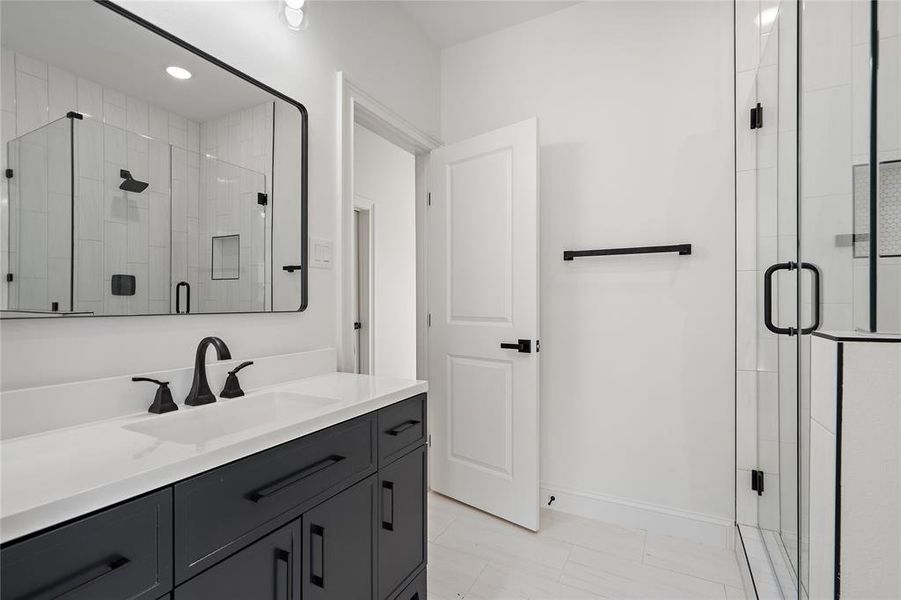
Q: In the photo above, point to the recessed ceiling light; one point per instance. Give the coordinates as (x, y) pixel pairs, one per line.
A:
(295, 4)
(178, 72)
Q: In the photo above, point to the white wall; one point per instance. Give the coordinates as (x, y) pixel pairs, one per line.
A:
(634, 105)
(385, 176)
(380, 49)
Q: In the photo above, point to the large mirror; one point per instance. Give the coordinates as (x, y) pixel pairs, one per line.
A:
(142, 176)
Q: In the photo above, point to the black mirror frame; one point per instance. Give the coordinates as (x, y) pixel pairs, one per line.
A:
(304, 118)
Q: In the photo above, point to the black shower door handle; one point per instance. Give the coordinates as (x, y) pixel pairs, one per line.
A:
(178, 287)
(815, 301)
(768, 298)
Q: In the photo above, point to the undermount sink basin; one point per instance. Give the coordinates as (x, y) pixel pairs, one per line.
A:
(203, 424)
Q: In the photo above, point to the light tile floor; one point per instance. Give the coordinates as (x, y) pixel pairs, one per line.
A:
(475, 556)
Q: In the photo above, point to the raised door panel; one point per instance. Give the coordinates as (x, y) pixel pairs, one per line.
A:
(338, 545)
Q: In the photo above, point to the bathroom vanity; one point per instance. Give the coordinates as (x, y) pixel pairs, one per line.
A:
(336, 511)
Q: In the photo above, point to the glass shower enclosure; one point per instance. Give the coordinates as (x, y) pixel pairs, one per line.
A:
(825, 112)
(106, 221)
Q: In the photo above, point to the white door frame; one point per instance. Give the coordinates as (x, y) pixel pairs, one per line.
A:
(356, 106)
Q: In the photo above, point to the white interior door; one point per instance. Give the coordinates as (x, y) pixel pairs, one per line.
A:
(483, 293)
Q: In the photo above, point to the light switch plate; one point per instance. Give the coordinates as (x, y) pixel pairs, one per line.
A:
(320, 253)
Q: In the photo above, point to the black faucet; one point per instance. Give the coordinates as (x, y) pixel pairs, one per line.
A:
(200, 390)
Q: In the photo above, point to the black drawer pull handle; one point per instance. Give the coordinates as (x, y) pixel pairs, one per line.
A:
(403, 427)
(388, 505)
(291, 268)
(78, 582)
(283, 484)
(283, 557)
(317, 580)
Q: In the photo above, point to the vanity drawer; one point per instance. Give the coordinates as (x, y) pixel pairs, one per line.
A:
(123, 552)
(223, 510)
(401, 427)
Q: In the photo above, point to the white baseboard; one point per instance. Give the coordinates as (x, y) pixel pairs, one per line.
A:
(704, 529)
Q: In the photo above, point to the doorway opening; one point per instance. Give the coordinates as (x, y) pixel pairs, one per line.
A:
(363, 321)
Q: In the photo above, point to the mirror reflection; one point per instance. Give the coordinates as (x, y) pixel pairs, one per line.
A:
(141, 181)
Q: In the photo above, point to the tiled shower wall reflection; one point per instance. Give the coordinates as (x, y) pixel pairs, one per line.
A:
(213, 192)
(241, 142)
(114, 233)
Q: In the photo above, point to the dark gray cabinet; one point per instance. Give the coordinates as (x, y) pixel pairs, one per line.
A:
(335, 515)
(221, 511)
(402, 514)
(416, 590)
(338, 545)
(122, 552)
(265, 569)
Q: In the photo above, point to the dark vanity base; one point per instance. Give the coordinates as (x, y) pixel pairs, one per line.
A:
(338, 514)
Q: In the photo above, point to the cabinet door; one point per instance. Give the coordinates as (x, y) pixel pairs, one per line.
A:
(401, 522)
(267, 569)
(338, 545)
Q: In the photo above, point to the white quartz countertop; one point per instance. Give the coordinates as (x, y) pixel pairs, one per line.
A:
(51, 477)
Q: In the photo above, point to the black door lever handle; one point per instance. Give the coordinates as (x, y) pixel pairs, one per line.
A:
(524, 346)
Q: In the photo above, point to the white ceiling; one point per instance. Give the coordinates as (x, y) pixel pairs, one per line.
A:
(449, 22)
(93, 42)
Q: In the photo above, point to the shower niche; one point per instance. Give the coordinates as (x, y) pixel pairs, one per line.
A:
(130, 192)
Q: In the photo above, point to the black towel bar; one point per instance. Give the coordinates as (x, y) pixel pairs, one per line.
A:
(682, 249)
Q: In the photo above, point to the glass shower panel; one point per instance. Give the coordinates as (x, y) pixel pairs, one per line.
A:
(835, 188)
(122, 221)
(219, 235)
(888, 125)
(38, 238)
(776, 195)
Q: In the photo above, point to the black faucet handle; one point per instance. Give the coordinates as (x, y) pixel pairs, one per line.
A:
(162, 401)
(246, 363)
(232, 387)
(156, 381)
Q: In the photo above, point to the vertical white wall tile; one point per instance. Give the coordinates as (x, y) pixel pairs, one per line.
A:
(115, 248)
(826, 51)
(158, 123)
(746, 415)
(62, 92)
(114, 108)
(138, 304)
(31, 102)
(31, 66)
(33, 244)
(138, 234)
(59, 225)
(137, 116)
(746, 220)
(90, 98)
(89, 209)
(89, 270)
(7, 80)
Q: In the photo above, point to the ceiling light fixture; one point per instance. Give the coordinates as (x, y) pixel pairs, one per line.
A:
(294, 15)
(178, 72)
